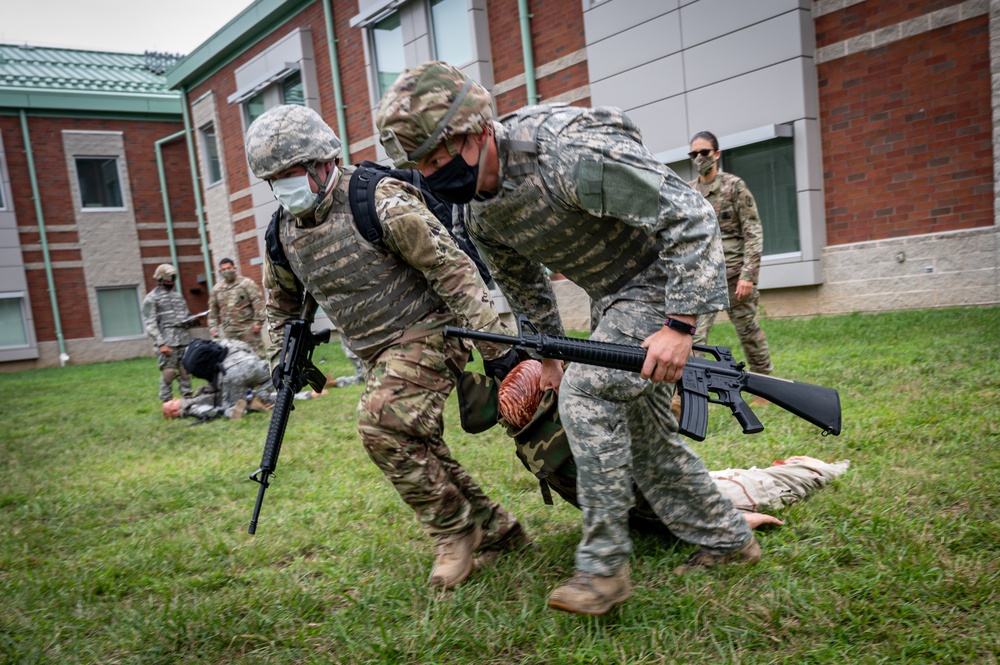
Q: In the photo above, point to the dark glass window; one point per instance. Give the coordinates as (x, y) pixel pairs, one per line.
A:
(99, 183)
(768, 168)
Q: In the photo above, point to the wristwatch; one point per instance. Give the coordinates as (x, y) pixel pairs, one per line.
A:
(679, 326)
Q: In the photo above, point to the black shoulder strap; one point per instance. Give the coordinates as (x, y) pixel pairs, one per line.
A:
(361, 195)
(272, 241)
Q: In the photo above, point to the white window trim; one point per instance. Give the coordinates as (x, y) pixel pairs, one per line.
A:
(21, 297)
(120, 338)
(207, 154)
(375, 13)
(249, 91)
(118, 170)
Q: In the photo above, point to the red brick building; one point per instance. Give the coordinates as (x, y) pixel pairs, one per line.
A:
(83, 220)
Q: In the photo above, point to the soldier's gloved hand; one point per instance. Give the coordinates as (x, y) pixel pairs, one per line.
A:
(499, 368)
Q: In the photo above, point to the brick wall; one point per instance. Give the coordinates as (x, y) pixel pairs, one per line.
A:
(907, 145)
(57, 208)
(556, 32)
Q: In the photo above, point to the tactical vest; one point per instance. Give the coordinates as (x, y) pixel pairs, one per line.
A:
(372, 295)
(600, 255)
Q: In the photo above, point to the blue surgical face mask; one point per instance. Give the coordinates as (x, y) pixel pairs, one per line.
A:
(295, 195)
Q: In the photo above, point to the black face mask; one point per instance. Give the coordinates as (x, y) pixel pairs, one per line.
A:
(455, 182)
(167, 285)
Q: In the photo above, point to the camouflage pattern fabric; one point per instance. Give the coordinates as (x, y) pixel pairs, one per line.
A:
(433, 101)
(593, 185)
(739, 224)
(407, 381)
(616, 422)
(243, 372)
(162, 313)
(235, 308)
(400, 419)
(286, 136)
(743, 314)
(605, 410)
(743, 242)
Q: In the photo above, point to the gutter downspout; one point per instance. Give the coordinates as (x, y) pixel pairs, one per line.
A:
(195, 179)
(338, 95)
(166, 200)
(63, 356)
(529, 58)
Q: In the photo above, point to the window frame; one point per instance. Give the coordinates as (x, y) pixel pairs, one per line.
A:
(210, 140)
(470, 56)
(118, 174)
(768, 217)
(379, 92)
(21, 299)
(105, 337)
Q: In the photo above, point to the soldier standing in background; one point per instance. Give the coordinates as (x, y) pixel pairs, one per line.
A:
(743, 243)
(164, 312)
(236, 308)
(392, 302)
(575, 190)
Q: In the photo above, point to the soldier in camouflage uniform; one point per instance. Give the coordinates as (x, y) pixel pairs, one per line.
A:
(742, 241)
(244, 383)
(391, 303)
(236, 308)
(163, 314)
(574, 189)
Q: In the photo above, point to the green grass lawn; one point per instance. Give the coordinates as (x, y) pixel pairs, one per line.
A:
(125, 535)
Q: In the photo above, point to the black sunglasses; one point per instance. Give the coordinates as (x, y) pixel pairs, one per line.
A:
(704, 152)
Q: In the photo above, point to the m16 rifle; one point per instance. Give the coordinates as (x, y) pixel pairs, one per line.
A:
(296, 369)
(703, 381)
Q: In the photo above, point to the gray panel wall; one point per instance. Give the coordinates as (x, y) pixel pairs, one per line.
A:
(726, 66)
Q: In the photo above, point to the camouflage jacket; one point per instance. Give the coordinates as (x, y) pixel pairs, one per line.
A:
(592, 164)
(162, 313)
(739, 223)
(236, 305)
(414, 234)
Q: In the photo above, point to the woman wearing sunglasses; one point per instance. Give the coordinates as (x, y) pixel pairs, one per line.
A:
(743, 241)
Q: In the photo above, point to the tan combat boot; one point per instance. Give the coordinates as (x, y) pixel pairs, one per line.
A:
(592, 595)
(749, 555)
(453, 557)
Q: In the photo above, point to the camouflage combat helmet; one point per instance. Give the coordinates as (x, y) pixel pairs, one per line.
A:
(287, 135)
(428, 105)
(164, 271)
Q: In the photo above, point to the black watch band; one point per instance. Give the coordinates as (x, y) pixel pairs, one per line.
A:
(680, 326)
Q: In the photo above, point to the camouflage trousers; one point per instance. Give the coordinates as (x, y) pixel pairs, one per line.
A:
(400, 419)
(743, 314)
(172, 368)
(620, 429)
(254, 339)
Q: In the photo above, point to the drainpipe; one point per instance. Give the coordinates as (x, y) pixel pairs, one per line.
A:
(338, 95)
(197, 187)
(166, 202)
(529, 59)
(63, 356)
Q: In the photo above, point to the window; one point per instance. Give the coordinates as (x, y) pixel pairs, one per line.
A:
(12, 330)
(390, 61)
(100, 185)
(768, 168)
(211, 154)
(452, 34)
(255, 107)
(119, 309)
(292, 91)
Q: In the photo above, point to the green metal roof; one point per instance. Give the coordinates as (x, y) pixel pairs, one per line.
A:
(40, 78)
